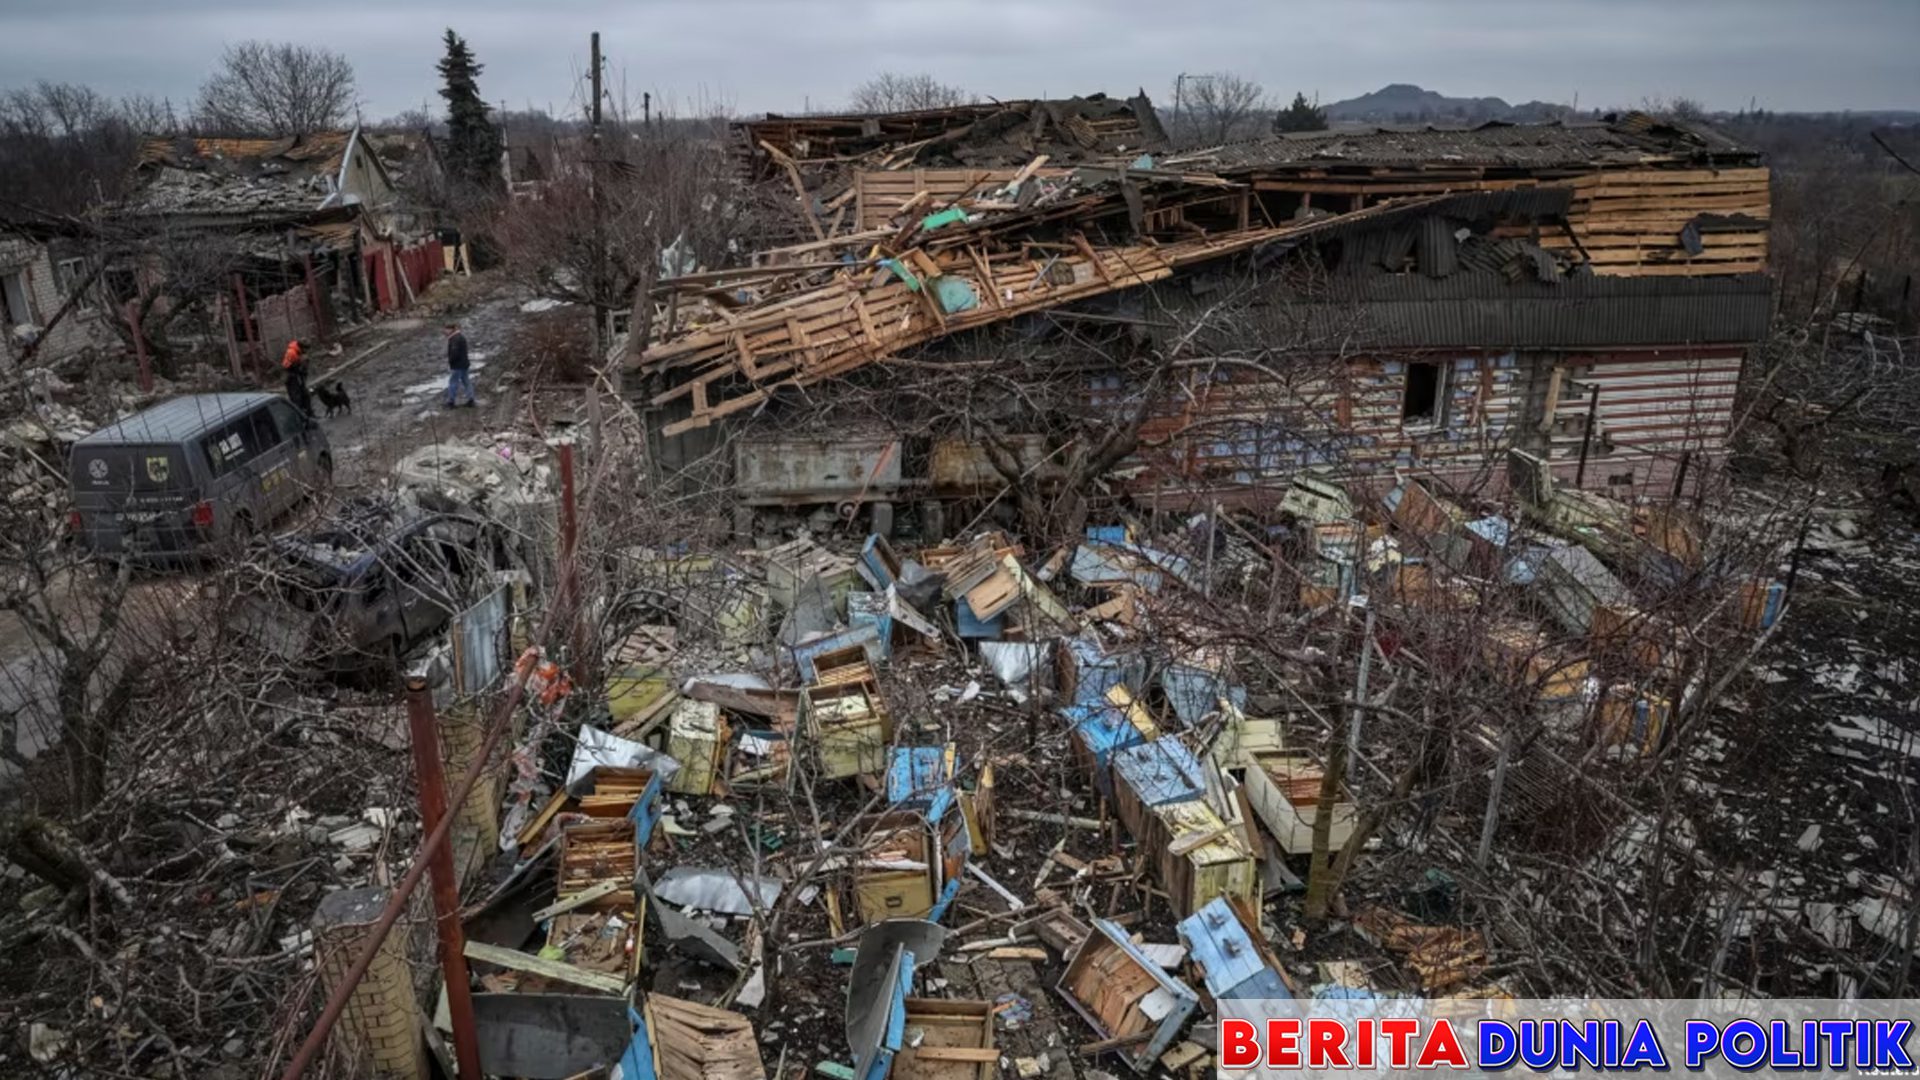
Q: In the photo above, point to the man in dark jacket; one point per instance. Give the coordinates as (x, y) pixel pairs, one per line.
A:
(457, 378)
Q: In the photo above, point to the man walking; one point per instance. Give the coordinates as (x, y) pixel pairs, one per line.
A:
(457, 378)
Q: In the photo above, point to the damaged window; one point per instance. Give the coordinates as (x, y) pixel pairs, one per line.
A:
(1423, 404)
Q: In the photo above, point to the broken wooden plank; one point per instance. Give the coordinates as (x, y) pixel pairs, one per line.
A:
(975, 1054)
(557, 970)
(1013, 901)
(587, 896)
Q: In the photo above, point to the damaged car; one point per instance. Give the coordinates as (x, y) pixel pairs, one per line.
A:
(362, 590)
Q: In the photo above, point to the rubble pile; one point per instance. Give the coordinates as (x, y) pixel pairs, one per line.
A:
(35, 441)
(926, 782)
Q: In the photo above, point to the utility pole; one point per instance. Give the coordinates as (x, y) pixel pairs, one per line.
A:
(600, 318)
(596, 149)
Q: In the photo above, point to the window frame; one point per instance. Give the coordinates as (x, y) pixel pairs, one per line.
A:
(68, 280)
(8, 316)
(1437, 420)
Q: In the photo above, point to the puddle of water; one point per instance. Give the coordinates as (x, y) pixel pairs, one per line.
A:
(439, 385)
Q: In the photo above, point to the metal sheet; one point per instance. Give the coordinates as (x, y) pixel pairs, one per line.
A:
(877, 985)
(706, 889)
(797, 468)
(549, 1036)
(479, 636)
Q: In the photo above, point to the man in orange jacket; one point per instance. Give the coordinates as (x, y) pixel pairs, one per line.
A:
(295, 366)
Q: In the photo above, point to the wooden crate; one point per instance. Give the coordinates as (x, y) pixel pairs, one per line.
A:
(1285, 792)
(1202, 858)
(849, 728)
(596, 852)
(1107, 981)
(884, 889)
(697, 739)
(947, 1040)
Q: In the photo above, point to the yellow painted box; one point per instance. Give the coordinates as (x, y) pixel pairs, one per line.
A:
(697, 739)
(849, 727)
(1221, 866)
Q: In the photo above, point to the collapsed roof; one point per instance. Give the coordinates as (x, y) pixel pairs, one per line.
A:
(1635, 139)
(997, 133)
(257, 179)
(1469, 236)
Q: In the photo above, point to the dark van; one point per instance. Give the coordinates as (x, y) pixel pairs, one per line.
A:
(188, 473)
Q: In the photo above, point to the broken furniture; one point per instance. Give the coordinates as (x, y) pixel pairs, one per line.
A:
(1123, 994)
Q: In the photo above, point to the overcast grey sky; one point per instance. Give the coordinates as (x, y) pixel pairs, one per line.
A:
(756, 55)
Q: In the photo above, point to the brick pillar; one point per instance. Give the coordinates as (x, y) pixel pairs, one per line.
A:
(377, 1032)
(476, 825)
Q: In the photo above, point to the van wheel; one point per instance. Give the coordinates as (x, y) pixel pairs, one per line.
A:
(241, 532)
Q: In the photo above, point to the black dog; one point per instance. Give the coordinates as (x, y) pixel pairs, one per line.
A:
(334, 396)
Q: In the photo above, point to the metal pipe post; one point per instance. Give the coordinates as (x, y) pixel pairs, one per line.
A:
(569, 561)
(139, 347)
(1586, 439)
(246, 323)
(432, 779)
(437, 838)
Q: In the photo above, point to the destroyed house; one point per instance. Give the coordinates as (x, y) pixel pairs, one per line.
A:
(1586, 293)
(313, 223)
(1005, 134)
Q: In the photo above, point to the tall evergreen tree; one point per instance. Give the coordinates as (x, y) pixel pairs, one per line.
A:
(1300, 116)
(473, 141)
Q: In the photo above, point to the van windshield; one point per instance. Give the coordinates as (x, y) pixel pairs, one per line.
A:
(137, 470)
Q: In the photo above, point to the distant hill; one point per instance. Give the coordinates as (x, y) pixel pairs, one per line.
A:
(1404, 103)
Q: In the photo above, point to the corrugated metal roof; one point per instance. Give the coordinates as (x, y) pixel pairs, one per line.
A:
(172, 421)
(1495, 144)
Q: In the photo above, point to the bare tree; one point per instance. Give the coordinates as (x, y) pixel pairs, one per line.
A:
(67, 147)
(277, 88)
(663, 189)
(891, 91)
(1219, 108)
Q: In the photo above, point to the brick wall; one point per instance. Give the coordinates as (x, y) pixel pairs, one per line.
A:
(378, 1031)
(476, 831)
(82, 328)
(283, 317)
